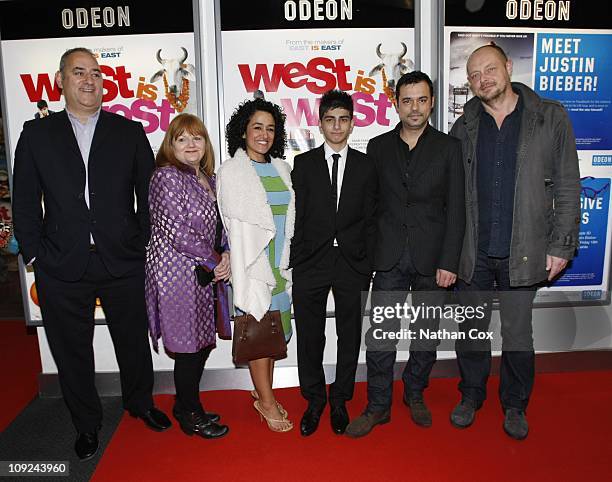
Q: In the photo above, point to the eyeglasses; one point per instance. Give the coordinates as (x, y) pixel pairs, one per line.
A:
(589, 192)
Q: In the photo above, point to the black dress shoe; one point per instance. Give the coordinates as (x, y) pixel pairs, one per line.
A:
(195, 423)
(339, 419)
(155, 419)
(310, 421)
(86, 445)
(213, 417)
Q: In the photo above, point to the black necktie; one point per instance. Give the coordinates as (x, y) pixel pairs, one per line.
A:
(335, 180)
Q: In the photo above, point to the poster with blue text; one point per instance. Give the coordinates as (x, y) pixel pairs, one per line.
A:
(574, 69)
(587, 267)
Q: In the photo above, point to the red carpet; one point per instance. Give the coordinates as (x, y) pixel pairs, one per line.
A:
(20, 359)
(578, 450)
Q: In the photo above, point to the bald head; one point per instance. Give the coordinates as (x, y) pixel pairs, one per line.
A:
(491, 47)
(488, 72)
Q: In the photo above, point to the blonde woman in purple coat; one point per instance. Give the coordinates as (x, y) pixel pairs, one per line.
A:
(186, 232)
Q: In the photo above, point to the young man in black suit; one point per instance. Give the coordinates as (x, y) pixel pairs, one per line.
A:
(86, 164)
(335, 196)
(421, 222)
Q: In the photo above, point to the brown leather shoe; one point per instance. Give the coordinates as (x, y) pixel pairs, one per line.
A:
(419, 412)
(364, 424)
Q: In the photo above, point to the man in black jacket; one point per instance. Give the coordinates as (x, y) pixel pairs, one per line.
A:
(335, 189)
(421, 222)
(86, 164)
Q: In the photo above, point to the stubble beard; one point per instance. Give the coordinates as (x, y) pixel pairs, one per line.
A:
(410, 125)
(496, 94)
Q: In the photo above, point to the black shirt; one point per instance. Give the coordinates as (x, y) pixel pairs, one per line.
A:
(407, 153)
(496, 153)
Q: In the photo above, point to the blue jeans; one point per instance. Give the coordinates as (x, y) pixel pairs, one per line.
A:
(517, 370)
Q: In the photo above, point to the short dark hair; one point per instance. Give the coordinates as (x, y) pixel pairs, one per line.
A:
(68, 53)
(495, 47)
(335, 99)
(41, 104)
(236, 127)
(413, 77)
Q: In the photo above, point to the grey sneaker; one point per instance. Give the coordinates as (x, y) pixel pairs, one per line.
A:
(464, 413)
(515, 424)
(364, 424)
(419, 412)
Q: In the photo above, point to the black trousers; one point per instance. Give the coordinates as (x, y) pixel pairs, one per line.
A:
(517, 370)
(68, 317)
(389, 288)
(310, 290)
(188, 369)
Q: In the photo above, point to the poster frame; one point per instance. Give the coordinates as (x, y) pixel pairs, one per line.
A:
(199, 89)
(441, 109)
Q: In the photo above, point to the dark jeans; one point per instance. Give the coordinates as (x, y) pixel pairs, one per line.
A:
(517, 369)
(188, 369)
(391, 287)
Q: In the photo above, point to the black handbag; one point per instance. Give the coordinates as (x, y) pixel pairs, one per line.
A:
(203, 275)
(258, 339)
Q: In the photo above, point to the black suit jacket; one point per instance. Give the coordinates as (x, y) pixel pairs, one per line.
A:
(422, 205)
(49, 167)
(316, 222)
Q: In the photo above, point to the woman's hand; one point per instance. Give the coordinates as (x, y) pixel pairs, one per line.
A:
(222, 270)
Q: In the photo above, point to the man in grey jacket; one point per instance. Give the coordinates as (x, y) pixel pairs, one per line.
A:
(522, 222)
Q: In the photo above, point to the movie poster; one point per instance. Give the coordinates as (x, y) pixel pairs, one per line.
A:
(559, 50)
(587, 268)
(149, 69)
(291, 56)
(574, 69)
(518, 45)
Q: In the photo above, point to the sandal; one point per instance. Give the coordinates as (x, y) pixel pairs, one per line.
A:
(281, 409)
(283, 425)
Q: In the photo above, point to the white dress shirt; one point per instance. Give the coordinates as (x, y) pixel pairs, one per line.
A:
(341, 166)
(84, 136)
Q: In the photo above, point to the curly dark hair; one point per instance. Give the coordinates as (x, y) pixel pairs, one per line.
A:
(236, 127)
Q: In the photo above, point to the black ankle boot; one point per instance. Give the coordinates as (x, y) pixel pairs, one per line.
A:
(199, 424)
(177, 412)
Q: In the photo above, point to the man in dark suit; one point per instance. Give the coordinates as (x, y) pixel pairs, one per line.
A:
(86, 164)
(335, 191)
(421, 222)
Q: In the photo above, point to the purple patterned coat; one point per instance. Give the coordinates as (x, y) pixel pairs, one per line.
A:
(183, 222)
